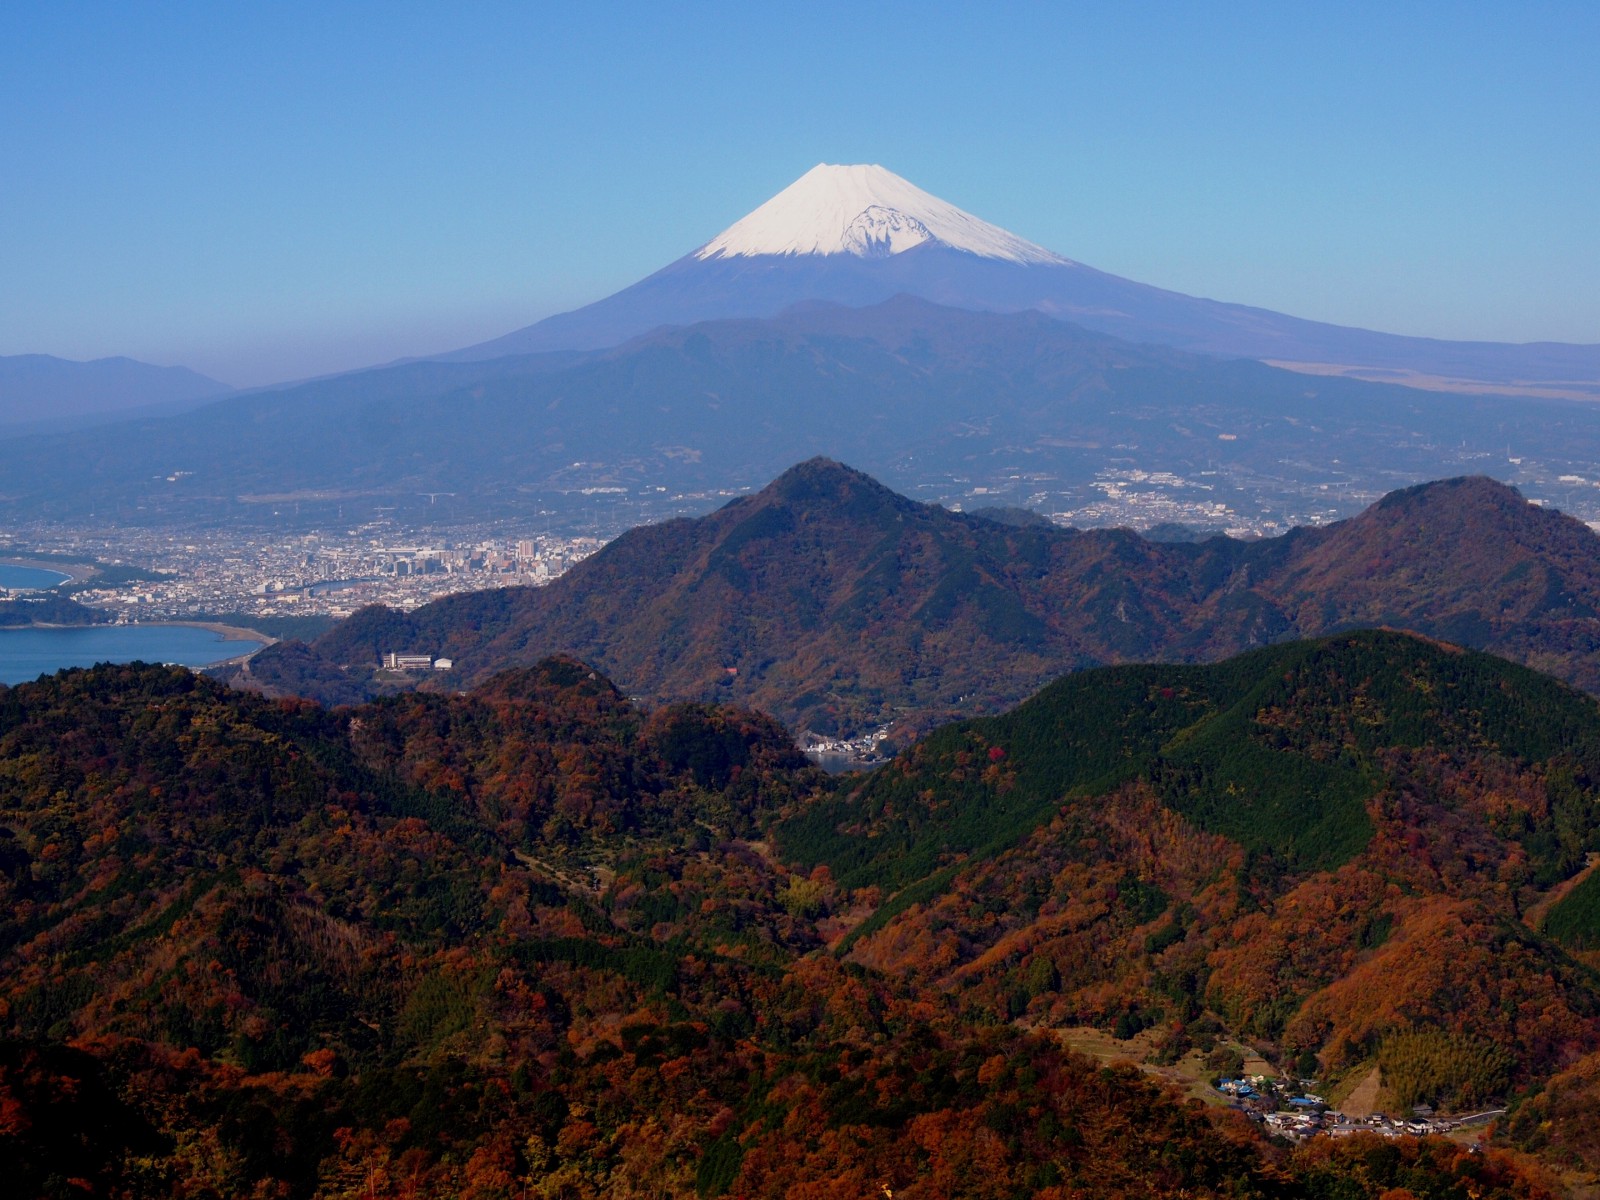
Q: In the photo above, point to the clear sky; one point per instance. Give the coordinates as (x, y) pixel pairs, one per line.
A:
(265, 191)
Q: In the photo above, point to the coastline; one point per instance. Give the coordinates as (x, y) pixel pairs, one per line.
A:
(228, 633)
(56, 646)
(74, 572)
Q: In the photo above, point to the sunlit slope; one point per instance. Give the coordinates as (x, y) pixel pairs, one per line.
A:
(1278, 750)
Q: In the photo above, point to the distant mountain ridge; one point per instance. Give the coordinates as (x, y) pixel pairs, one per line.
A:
(37, 388)
(839, 605)
(857, 235)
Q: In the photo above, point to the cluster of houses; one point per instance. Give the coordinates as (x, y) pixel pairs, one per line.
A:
(1300, 1116)
(862, 748)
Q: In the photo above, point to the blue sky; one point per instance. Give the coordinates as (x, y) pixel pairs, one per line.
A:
(269, 191)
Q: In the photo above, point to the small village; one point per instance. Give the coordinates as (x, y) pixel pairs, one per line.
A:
(1298, 1114)
(862, 749)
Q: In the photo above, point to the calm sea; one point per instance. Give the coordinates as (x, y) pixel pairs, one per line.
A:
(28, 653)
(17, 578)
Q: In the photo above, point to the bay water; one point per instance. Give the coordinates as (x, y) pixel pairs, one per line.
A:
(33, 651)
(18, 578)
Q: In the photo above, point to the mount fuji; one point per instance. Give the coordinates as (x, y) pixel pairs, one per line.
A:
(859, 235)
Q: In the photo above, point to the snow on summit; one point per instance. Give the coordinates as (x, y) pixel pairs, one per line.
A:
(866, 211)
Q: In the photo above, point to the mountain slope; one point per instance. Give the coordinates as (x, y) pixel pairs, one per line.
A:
(1328, 845)
(858, 235)
(308, 955)
(838, 605)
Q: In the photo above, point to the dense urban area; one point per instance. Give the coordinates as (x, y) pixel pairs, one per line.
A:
(200, 573)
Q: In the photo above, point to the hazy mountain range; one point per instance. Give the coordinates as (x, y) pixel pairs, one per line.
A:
(918, 394)
(37, 390)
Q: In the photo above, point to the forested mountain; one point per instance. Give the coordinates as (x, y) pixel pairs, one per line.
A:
(534, 938)
(1331, 845)
(48, 608)
(837, 605)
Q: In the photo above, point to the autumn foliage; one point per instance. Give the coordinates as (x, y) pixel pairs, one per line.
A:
(535, 941)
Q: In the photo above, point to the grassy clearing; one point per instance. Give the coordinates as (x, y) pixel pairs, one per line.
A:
(1189, 1074)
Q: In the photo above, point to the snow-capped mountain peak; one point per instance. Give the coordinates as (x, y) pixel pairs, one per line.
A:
(866, 211)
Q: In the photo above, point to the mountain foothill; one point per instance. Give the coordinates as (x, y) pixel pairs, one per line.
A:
(839, 606)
